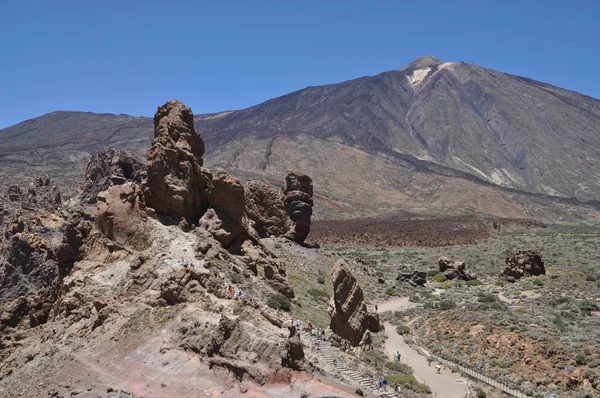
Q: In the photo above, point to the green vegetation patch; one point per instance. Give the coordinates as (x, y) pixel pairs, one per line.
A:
(279, 301)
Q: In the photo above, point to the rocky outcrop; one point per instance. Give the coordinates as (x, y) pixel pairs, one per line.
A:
(109, 167)
(292, 355)
(454, 269)
(415, 278)
(347, 308)
(298, 201)
(265, 209)
(176, 185)
(523, 264)
(38, 252)
(42, 194)
(121, 216)
(225, 217)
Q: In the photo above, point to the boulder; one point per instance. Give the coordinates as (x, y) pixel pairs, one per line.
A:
(415, 278)
(265, 209)
(176, 184)
(454, 270)
(109, 167)
(298, 203)
(121, 216)
(347, 308)
(523, 264)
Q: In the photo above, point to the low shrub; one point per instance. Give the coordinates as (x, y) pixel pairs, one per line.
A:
(476, 282)
(581, 358)
(317, 293)
(486, 298)
(402, 329)
(408, 382)
(432, 272)
(236, 278)
(439, 278)
(446, 285)
(594, 364)
(588, 306)
(390, 291)
(279, 301)
(538, 282)
(590, 278)
(321, 280)
(446, 305)
(399, 367)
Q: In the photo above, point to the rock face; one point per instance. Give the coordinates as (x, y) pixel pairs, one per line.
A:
(109, 167)
(265, 209)
(43, 194)
(176, 185)
(523, 264)
(121, 216)
(348, 311)
(292, 355)
(225, 217)
(298, 203)
(38, 250)
(415, 278)
(454, 269)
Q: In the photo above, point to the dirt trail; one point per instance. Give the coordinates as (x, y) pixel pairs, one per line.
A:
(446, 384)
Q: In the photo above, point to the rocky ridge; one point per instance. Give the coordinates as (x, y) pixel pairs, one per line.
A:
(174, 241)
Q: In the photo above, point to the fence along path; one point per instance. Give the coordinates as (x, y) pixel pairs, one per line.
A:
(466, 370)
(402, 303)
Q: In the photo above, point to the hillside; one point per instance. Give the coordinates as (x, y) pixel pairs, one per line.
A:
(433, 136)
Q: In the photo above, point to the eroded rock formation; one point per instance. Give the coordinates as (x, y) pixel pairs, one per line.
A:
(109, 167)
(298, 203)
(121, 216)
(523, 264)
(38, 250)
(292, 355)
(454, 269)
(43, 194)
(347, 308)
(225, 217)
(176, 185)
(265, 209)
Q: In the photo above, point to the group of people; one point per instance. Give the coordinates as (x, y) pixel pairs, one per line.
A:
(438, 367)
(237, 294)
(382, 383)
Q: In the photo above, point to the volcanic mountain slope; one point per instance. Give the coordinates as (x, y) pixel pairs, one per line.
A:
(431, 136)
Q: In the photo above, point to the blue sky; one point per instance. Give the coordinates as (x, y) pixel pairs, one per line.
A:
(131, 56)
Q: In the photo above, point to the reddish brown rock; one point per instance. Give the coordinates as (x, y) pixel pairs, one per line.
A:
(298, 203)
(109, 167)
(454, 269)
(121, 216)
(225, 217)
(265, 209)
(176, 184)
(350, 319)
(523, 264)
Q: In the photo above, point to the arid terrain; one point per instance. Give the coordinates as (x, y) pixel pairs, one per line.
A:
(293, 248)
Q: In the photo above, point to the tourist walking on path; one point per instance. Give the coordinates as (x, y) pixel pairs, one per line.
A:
(439, 369)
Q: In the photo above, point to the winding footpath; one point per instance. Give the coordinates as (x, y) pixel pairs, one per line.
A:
(444, 385)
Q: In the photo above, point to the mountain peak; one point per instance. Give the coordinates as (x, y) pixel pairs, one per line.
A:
(422, 62)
